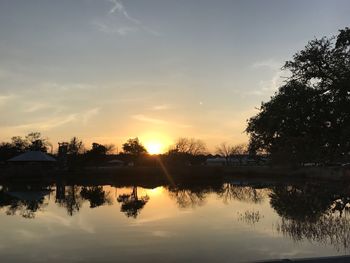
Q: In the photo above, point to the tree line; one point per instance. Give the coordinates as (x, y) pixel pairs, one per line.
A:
(184, 150)
(308, 118)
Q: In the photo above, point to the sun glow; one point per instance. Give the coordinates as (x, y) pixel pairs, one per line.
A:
(154, 147)
(155, 142)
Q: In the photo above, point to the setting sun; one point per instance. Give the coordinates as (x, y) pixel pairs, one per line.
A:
(154, 147)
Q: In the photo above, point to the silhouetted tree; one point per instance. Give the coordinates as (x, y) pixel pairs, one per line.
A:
(69, 197)
(134, 147)
(249, 194)
(225, 150)
(308, 119)
(96, 196)
(187, 150)
(33, 142)
(97, 154)
(75, 146)
(132, 203)
(37, 142)
(189, 197)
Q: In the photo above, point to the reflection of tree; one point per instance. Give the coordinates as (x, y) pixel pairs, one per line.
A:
(17, 202)
(313, 212)
(249, 194)
(131, 203)
(96, 196)
(307, 202)
(328, 229)
(250, 217)
(188, 197)
(69, 198)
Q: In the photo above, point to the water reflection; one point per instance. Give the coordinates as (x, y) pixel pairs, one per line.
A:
(305, 211)
(23, 201)
(248, 194)
(313, 212)
(70, 198)
(96, 195)
(186, 198)
(132, 203)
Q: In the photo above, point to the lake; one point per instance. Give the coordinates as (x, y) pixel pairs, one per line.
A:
(231, 221)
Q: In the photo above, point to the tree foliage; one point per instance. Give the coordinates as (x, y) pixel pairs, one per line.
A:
(189, 146)
(75, 146)
(134, 147)
(308, 118)
(31, 142)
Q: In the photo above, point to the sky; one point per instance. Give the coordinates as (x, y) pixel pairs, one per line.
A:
(109, 70)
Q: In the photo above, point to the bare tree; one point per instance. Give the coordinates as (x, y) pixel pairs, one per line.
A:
(189, 146)
(239, 151)
(75, 146)
(225, 150)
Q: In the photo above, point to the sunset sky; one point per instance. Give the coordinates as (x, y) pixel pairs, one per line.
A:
(108, 70)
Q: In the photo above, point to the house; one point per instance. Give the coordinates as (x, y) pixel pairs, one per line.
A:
(115, 162)
(218, 161)
(33, 158)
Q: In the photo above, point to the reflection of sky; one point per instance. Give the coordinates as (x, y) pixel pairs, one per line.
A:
(151, 68)
(210, 232)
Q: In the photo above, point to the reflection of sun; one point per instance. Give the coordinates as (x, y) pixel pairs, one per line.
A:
(154, 147)
(155, 191)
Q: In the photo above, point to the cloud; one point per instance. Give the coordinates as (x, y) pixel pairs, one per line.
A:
(37, 107)
(89, 114)
(267, 86)
(43, 125)
(143, 118)
(271, 64)
(5, 98)
(113, 29)
(118, 21)
(161, 107)
(119, 7)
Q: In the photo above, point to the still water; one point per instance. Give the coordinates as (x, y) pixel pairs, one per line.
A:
(228, 222)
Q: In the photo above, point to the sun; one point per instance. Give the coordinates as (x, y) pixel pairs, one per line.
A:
(154, 147)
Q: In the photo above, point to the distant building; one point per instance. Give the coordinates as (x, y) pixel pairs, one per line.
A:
(115, 162)
(33, 158)
(218, 161)
(237, 160)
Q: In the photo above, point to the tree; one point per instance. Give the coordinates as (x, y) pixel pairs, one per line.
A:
(187, 150)
(131, 204)
(239, 151)
(37, 142)
(189, 146)
(225, 150)
(134, 147)
(308, 118)
(32, 142)
(98, 153)
(75, 146)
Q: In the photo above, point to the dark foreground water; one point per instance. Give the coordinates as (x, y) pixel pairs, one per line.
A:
(227, 222)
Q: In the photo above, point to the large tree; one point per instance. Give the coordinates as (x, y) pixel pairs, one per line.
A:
(308, 118)
(134, 147)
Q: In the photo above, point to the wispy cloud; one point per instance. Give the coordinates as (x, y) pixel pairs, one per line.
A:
(113, 29)
(268, 86)
(86, 116)
(37, 107)
(143, 118)
(268, 63)
(5, 98)
(119, 8)
(161, 107)
(43, 125)
(119, 21)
